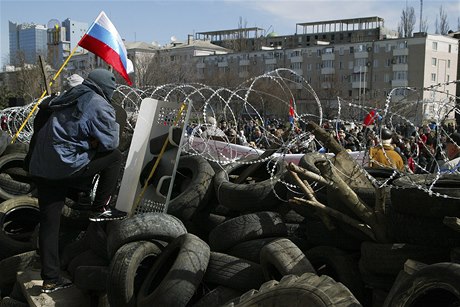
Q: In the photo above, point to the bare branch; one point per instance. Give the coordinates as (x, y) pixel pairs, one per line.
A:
(337, 215)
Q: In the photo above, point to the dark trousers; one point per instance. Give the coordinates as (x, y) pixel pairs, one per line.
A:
(51, 197)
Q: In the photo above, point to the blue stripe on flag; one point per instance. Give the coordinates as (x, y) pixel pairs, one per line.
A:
(102, 34)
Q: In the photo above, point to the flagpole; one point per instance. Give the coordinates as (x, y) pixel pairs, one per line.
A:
(43, 95)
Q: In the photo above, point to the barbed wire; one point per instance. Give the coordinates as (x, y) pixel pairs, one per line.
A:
(229, 104)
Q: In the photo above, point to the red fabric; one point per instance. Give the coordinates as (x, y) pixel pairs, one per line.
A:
(370, 118)
(106, 53)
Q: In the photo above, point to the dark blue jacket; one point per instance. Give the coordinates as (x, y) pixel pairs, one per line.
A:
(79, 116)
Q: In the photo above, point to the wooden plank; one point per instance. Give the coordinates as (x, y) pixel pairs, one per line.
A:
(31, 285)
(42, 66)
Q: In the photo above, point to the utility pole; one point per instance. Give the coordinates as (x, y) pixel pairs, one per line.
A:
(421, 11)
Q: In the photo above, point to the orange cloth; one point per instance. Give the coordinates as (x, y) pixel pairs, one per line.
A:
(385, 157)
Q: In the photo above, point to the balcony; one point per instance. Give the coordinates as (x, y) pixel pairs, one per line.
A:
(297, 59)
(270, 61)
(298, 72)
(357, 84)
(360, 69)
(222, 64)
(403, 51)
(399, 83)
(361, 54)
(328, 56)
(328, 71)
(244, 62)
(400, 67)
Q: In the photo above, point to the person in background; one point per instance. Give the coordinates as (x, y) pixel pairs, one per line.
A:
(384, 155)
(453, 154)
(78, 140)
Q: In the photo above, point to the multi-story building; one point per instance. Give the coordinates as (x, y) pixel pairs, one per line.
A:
(53, 42)
(357, 60)
(27, 42)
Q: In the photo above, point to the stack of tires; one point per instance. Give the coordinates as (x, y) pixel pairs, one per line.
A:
(238, 244)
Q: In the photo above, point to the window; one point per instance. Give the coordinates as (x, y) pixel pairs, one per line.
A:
(352, 49)
(435, 46)
(448, 78)
(340, 65)
(450, 48)
(433, 77)
(341, 51)
(375, 63)
(401, 59)
(400, 75)
(350, 65)
(309, 66)
(328, 64)
(318, 66)
(386, 78)
(297, 65)
(318, 52)
(448, 63)
(433, 61)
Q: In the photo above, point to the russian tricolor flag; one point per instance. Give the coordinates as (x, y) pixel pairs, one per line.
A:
(102, 39)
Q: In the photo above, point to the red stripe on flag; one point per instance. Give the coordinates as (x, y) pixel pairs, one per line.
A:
(106, 53)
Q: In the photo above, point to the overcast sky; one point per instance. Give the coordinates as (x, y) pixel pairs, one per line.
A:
(152, 20)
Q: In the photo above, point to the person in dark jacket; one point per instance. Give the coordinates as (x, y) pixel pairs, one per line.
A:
(78, 140)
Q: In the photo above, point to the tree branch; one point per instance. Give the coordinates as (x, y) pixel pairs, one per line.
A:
(336, 214)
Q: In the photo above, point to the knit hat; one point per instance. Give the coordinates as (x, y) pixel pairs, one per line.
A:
(386, 136)
(105, 80)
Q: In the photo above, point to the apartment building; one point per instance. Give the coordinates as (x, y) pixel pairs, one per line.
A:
(357, 60)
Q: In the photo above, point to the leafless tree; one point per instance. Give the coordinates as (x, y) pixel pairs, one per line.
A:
(424, 25)
(407, 23)
(442, 25)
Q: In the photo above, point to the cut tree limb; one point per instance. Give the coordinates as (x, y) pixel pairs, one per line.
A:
(336, 214)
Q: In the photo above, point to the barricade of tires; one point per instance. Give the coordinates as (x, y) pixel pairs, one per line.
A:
(228, 244)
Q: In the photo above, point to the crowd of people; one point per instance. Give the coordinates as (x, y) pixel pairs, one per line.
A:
(423, 149)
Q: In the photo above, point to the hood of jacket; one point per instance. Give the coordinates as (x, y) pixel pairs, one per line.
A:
(70, 97)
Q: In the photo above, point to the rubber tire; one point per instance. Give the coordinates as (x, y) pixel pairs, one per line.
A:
(339, 265)
(11, 302)
(429, 285)
(233, 272)
(250, 250)
(8, 159)
(408, 199)
(11, 265)
(194, 194)
(306, 290)
(318, 234)
(72, 249)
(9, 211)
(246, 227)
(176, 273)
(217, 296)
(12, 188)
(416, 230)
(97, 239)
(128, 270)
(389, 259)
(91, 277)
(258, 196)
(146, 226)
(87, 258)
(282, 257)
(16, 148)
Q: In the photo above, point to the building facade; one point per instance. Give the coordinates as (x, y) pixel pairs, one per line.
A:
(357, 60)
(26, 42)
